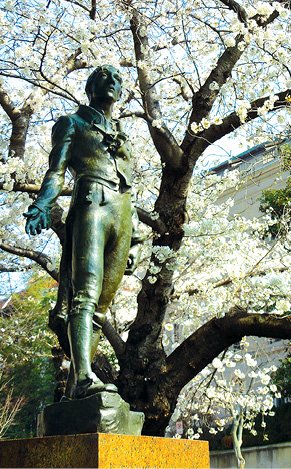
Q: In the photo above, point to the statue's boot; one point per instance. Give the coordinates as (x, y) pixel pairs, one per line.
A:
(80, 333)
(90, 385)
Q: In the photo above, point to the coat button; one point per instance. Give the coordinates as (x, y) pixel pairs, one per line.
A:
(89, 197)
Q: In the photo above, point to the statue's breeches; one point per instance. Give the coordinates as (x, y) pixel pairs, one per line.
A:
(100, 228)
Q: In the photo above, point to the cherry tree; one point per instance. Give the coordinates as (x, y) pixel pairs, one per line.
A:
(193, 73)
(232, 390)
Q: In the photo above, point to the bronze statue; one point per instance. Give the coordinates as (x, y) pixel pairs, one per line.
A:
(102, 238)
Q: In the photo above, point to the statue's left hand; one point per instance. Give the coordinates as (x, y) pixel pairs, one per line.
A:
(133, 259)
(36, 220)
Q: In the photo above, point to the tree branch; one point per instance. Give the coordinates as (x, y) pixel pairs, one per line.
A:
(93, 10)
(33, 188)
(204, 98)
(232, 122)
(113, 337)
(237, 8)
(79, 4)
(142, 115)
(4, 268)
(36, 82)
(224, 282)
(195, 352)
(156, 224)
(164, 141)
(38, 257)
(20, 118)
(20, 121)
(8, 106)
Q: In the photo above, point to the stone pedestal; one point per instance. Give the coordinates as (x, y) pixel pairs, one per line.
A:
(104, 451)
(104, 412)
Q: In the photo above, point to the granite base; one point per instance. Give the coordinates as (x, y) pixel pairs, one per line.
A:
(104, 451)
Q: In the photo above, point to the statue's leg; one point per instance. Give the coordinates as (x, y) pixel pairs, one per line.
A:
(91, 229)
(116, 255)
(71, 379)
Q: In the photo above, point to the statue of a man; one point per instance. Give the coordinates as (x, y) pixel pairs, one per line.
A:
(101, 239)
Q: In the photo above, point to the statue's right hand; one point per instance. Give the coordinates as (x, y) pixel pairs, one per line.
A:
(36, 220)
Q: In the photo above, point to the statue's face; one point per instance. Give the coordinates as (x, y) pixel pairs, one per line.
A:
(107, 84)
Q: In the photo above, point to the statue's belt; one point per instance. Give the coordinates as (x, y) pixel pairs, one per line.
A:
(121, 187)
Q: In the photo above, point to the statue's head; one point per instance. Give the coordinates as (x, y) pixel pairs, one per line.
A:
(105, 83)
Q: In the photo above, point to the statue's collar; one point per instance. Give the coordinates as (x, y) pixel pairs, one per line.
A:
(90, 114)
(94, 116)
(110, 129)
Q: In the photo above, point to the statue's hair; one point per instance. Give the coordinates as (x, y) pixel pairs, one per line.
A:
(90, 81)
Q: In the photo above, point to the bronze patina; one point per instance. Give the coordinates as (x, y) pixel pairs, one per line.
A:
(102, 238)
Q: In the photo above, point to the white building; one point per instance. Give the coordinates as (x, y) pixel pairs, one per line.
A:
(261, 168)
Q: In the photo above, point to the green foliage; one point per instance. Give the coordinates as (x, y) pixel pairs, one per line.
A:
(282, 377)
(25, 357)
(277, 202)
(286, 156)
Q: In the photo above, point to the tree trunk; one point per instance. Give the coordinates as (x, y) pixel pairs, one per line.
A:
(143, 370)
(20, 126)
(236, 433)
